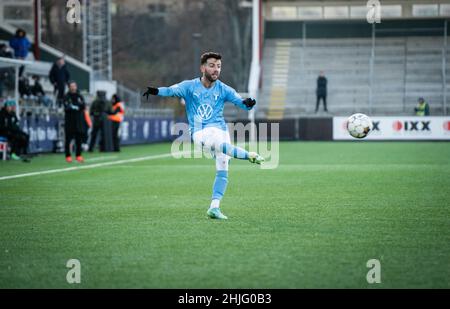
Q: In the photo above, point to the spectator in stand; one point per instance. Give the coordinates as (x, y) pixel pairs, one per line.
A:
(38, 91)
(321, 91)
(422, 109)
(24, 88)
(4, 52)
(59, 76)
(20, 44)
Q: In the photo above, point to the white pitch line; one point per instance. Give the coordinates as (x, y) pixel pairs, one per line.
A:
(100, 158)
(81, 167)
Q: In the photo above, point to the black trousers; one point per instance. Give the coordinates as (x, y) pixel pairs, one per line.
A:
(60, 92)
(324, 98)
(115, 135)
(97, 128)
(19, 142)
(77, 136)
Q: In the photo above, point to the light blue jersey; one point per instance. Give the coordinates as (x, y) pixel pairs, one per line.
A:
(204, 106)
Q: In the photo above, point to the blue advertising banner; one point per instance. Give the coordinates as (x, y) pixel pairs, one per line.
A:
(47, 132)
(44, 132)
(144, 130)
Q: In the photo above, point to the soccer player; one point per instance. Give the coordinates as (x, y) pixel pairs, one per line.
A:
(204, 102)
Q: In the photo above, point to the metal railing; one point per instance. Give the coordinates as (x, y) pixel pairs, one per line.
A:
(132, 98)
(150, 112)
(31, 106)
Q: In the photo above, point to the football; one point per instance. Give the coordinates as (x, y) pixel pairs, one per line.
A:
(359, 125)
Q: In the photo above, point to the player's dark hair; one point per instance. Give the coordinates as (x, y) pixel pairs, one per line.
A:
(209, 55)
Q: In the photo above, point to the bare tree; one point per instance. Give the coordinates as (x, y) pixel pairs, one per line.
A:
(240, 22)
(57, 32)
(161, 50)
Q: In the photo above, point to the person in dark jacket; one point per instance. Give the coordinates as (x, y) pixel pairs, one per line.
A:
(20, 44)
(24, 87)
(59, 76)
(4, 52)
(321, 91)
(97, 111)
(74, 106)
(10, 128)
(38, 91)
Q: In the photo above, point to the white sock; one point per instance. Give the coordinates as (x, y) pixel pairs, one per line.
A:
(215, 203)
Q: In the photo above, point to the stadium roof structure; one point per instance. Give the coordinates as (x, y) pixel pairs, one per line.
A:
(354, 9)
(361, 2)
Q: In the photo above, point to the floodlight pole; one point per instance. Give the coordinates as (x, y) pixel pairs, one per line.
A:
(253, 84)
(37, 29)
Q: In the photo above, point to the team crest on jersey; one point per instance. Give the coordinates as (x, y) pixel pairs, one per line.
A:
(205, 111)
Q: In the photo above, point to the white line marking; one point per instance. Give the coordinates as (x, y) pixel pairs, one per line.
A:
(81, 167)
(100, 158)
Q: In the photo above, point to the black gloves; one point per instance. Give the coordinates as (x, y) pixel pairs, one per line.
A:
(249, 102)
(150, 91)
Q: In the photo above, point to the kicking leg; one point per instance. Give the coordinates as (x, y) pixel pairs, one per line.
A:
(234, 151)
(240, 153)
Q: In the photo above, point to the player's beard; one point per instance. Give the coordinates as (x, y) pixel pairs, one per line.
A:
(210, 77)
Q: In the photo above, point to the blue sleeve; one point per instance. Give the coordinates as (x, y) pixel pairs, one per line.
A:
(13, 43)
(179, 90)
(232, 96)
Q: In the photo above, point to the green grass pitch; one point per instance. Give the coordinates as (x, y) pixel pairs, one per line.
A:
(313, 222)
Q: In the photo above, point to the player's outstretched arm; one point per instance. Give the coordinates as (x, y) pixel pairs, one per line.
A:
(150, 91)
(177, 90)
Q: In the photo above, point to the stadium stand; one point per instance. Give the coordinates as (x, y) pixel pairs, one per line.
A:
(405, 68)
